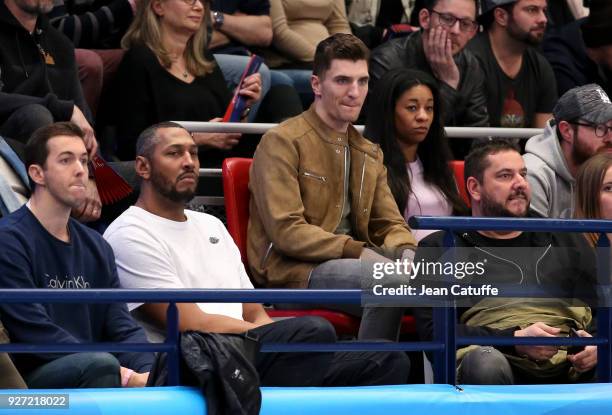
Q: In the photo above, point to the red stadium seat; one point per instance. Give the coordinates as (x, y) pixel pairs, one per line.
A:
(458, 168)
(235, 173)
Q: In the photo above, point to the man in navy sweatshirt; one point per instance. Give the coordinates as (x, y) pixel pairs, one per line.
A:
(41, 246)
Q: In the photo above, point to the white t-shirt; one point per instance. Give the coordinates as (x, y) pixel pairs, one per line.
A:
(154, 252)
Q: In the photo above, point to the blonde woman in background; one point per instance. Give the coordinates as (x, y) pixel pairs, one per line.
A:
(167, 74)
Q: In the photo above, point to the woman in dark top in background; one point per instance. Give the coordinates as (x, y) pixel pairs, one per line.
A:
(404, 117)
(165, 76)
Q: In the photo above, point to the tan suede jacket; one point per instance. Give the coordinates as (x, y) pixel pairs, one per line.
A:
(297, 195)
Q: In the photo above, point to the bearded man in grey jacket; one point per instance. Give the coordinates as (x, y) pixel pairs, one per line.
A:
(581, 127)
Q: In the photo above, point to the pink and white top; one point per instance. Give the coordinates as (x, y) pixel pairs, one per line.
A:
(425, 199)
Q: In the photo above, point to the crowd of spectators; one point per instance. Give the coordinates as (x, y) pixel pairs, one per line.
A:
(325, 199)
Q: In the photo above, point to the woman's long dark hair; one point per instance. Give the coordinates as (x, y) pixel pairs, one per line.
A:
(434, 152)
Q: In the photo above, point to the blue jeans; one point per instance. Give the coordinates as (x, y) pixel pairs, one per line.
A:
(298, 79)
(78, 370)
(233, 66)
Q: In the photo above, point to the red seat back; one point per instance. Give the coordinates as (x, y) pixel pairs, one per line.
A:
(235, 173)
(458, 169)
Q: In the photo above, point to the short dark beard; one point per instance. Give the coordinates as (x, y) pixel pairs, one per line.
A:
(167, 189)
(493, 209)
(579, 155)
(523, 36)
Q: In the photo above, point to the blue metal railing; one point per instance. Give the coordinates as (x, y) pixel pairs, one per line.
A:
(443, 345)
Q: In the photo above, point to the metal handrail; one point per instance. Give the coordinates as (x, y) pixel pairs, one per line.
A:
(100, 296)
(452, 132)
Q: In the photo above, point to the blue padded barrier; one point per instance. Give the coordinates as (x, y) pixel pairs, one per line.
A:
(592, 399)
(175, 400)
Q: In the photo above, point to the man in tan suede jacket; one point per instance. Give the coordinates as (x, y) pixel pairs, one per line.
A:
(320, 202)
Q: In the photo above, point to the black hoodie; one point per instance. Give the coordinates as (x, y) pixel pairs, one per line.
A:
(28, 77)
(566, 52)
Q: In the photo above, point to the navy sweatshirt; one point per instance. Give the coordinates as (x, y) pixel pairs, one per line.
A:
(30, 257)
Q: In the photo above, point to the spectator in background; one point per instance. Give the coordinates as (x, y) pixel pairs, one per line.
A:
(582, 127)
(95, 28)
(438, 49)
(38, 75)
(42, 247)
(405, 118)
(370, 19)
(298, 26)
(239, 25)
(562, 12)
(379, 13)
(169, 77)
(93, 24)
(581, 52)
(235, 27)
(521, 88)
(594, 191)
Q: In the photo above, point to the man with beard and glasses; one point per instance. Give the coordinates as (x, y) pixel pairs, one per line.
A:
(581, 127)
(161, 245)
(561, 264)
(520, 82)
(38, 75)
(42, 247)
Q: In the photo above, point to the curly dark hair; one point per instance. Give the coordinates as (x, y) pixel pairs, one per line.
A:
(434, 152)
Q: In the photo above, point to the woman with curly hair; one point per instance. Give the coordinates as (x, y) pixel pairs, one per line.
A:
(405, 118)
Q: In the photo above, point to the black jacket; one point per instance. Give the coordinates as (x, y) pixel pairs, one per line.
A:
(26, 78)
(222, 366)
(465, 107)
(566, 52)
(561, 261)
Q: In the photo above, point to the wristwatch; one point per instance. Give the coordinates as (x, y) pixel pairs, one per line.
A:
(218, 19)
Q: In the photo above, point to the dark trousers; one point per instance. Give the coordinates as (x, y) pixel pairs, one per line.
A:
(323, 369)
(488, 366)
(23, 122)
(77, 370)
